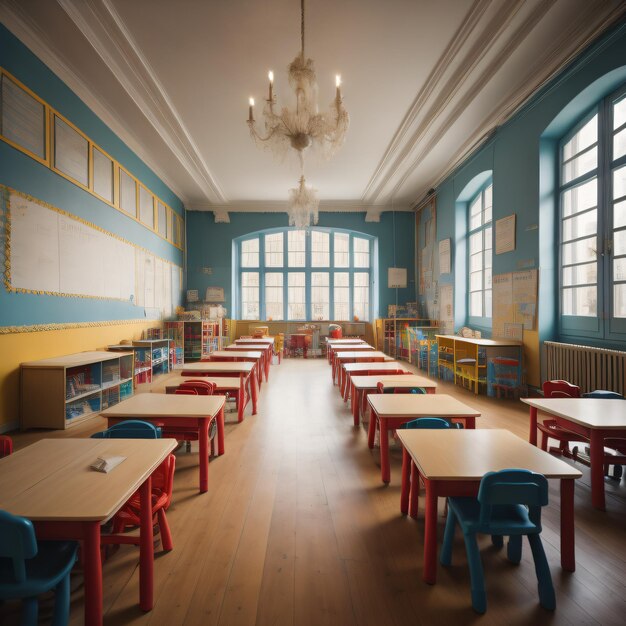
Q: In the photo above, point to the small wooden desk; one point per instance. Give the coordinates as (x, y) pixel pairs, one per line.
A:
(594, 419)
(247, 376)
(452, 462)
(332, 344)
(354, 356)
(362, 385)
(266, 348)
(223, 386)
(468, 347)
(193, 412)
(269, 340)
(347, 347)
(251, 356)
(51, 484)
(390, 411)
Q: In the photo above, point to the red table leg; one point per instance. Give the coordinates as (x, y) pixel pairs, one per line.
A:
(356, 404)
(385, 471)
(268, 359)
(415, 491)
(241, 398)
(406, 482)
(470, 422)
(146, 544)
(430, 534)
(253, 390)
(92, 565)
(371, 429)
(568, 558)
(259, 374)
(346, 386)
(333, 368)
(203, 453)
(532, 437)
(597, 469)
(220, 432)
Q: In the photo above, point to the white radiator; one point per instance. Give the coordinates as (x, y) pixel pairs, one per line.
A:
(589, 368)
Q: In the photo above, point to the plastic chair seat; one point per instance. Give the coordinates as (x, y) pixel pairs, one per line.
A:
(505, 520)
(52, 563)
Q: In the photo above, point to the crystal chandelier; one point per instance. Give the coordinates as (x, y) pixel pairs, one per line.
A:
(301, 128)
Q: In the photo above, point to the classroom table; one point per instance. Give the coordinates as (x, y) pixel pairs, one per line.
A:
(223, 386)
(244, 340)
(348, 347)
(50, 483)
(342, 358)
(356, 369)
(331, 344)
(452, 462)
(247, 376)
(361, 386)
(266, 348)
(390, 411)
(252, 356)
(594, 419)
(191, 412)
(468, 348)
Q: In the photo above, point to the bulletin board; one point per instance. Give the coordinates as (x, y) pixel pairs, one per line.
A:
(514, 303)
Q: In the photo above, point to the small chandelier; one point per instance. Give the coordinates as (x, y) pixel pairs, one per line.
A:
(303, 205)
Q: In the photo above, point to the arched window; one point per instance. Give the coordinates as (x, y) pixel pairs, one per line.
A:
(479, 235)
(314, 274)
(592, 218)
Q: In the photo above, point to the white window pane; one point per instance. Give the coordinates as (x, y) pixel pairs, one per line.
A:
(361, 252)
(274, 250)
(476, 206)
(361, 296)
(487, 214)
(476, 281)
(102, 175)
(273, 296)
(488, 303)
(320, 249)
(476, 262)
(619, 242)
(619, 300)
(619, 269)
(619, 113)
(581, 301)
(71, 152)
(619, 183)
(488, 197)
(162, 219)
(250, 253)
(476, 243)
(619, 214)
(296, 250)
(320, 296)
(580, 198)
(476, 304)
(580, 165)
(342, 279)
(250, 296)
(619, 144)
(579, 251)
(128, 191)
(488, 258)
(586, 274)
(475, 221)
(146, 207)
(487, 279)
(580, 225)
(585, 137)
(488, 239)
(296, 296)
(342, 249)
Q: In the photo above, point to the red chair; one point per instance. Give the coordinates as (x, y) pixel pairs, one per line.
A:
(380, 388)
(550, 428)
(6, 445)
(376, 373)
(128, 515)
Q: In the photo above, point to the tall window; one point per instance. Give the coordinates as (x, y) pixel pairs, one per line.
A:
(592, 205)
(319, 274)
(480, 253)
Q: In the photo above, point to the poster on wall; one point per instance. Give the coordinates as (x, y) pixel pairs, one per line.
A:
(514, 303)
(396, 277)
(446, 310)
(444, 256)
(505, 234)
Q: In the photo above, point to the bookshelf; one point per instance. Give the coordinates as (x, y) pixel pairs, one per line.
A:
(151, 358)
(63, 391)
(194, 339)
(392, 334)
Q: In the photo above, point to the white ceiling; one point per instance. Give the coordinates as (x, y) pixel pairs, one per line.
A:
(423, 80)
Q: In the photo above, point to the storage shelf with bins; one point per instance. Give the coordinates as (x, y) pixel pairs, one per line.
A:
(151, 358)
(393, 336)
(62, 391)
(194, 339)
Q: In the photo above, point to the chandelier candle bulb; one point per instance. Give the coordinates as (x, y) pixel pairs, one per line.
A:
(271, 77)
(251, 111)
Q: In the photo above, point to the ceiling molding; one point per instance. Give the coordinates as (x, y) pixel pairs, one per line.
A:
(38, 42)
(328, 206)
(103, 28)
(439, 96)
(221, 217)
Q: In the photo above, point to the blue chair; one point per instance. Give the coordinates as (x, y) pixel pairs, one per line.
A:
(130, 429)
(509, 503)
(601, 394)
(29, 568)
(426, 422)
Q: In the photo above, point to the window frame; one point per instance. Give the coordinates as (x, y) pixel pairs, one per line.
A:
(308, 269)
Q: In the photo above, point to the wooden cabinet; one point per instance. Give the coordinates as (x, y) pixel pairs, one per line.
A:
(393, 336)
(62, 391)
(151, 358)
(194, 339)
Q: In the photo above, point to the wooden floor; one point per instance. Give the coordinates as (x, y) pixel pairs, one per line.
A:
(297, 528)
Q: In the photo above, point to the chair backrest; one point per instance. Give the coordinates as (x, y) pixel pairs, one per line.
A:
(510, 487)
(130, 429)
(6, 445)
(17, 542)
(601, 394)
(186, 392)
(381, 388)
(560, 389)
(202, 387)
(382, 373)
(426, 422)
(163, 478)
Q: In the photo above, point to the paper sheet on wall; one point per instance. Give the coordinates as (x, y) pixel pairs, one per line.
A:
(502, 295)
(505, 234)
(159, 289)
(148, 287)
(444, 256)
(140, 277)
(446, 310)
(525, 298)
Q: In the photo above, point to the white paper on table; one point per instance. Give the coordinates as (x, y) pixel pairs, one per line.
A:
(105, 464)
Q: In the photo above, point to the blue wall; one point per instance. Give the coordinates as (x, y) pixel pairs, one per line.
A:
(209, 245)
(522, 155)
(20, 172)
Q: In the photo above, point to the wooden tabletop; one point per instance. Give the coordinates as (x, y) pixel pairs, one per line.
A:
(251, 354)
(391, 380)
(387, 365)
(75, 360)
(451, 454)
(419, 405)
(344, 340)
(51, 479)
(347, 347)
(341, 356)
(222, 383)
(166, 405)
(256, 340)
(207, 367)
(247, 346)
(589, 412)
(485, 343)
